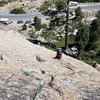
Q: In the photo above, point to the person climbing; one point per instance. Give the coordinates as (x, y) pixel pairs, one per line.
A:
(94, 64)
(58, 54)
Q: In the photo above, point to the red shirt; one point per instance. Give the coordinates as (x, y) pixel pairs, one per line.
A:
(58, 55)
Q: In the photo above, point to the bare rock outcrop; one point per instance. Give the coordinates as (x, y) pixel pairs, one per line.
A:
(23, 77)
(27, 5)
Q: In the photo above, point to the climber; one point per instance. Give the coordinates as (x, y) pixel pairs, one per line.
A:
(58, 54)
(94, 64)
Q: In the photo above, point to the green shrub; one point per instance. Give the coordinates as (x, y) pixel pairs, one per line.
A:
(17, 11)
(60, 4)
(2, 3)
(88, 58)
(60, 43)
(33, 35)
(24, 27)
(48, 35)
(44, 6)
(84, 56)
(44, 26)
(71, 39)
(73, 26)
(37, 22)
(97, 59)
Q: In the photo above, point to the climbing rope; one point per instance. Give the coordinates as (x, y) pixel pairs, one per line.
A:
(70, 69)
(39, 85)
(37, 92)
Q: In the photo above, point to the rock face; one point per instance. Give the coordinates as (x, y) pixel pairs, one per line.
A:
(26, 76)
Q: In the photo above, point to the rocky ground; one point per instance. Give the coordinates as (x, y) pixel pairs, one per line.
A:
(28, 5)
(29, 72)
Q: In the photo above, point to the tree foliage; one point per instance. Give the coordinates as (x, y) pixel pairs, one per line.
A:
(98, 14)
(45, 6)
(78, 14)
(2, 3)
(17, 11)
(48, 35)
(82, 36)
(94, 42)
(60, 5)
(24, 27)
(37, 22)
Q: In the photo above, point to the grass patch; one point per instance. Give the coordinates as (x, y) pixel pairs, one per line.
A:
(71, 39)
(60, 43)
